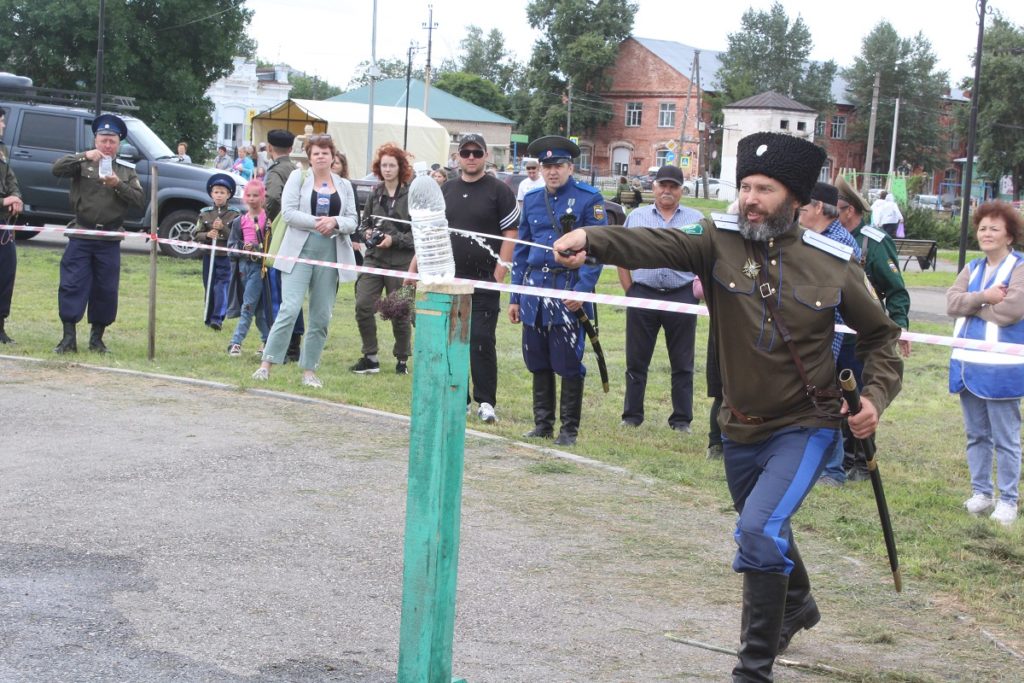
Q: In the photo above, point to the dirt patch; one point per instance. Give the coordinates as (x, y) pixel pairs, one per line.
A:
(160, 531)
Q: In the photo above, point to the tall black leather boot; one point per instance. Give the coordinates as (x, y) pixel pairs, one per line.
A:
(96, 339)
(4, 339)
(764, 601)
(69, 343)
(569, 410)
(543, 405)
(801, 610)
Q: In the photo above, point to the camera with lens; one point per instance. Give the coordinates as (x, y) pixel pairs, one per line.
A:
(375, 238)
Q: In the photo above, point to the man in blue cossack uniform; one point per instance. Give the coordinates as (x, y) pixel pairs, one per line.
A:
(552, 335)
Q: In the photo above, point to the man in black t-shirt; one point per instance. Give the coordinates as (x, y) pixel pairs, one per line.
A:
(481, 203)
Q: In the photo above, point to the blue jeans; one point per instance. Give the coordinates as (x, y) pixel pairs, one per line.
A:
(834, 464)
(993, 426)
(253, 303)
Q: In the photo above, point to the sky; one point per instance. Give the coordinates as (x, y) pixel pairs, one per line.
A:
(329, 38)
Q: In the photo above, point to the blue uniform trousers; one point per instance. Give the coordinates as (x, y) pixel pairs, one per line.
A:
(217, 307)
(90, 272)
(768, 482)
(558, 348)
(8, 267)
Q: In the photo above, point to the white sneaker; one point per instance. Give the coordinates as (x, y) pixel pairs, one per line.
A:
(486, 413)
(978, 504)
(1005, 513)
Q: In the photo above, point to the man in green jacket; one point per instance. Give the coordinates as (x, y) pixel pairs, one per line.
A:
(772, 289)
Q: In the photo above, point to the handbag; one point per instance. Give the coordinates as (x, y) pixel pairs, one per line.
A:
(277, 231)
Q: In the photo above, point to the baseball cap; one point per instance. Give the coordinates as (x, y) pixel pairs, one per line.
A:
(473, 139)
(671, 173)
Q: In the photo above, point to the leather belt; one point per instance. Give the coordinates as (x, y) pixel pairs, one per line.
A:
(661, 290)
(745, 419)
(117, 225)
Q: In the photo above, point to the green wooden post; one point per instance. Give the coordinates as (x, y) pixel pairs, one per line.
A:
(434, 499)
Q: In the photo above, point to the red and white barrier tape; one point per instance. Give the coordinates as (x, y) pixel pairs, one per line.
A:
(610, 299)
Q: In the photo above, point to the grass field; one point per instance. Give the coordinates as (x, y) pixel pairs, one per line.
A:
(974, 564)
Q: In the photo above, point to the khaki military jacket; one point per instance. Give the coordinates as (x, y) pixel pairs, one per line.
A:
(8, 182)
(810, 277)
(95, 205)
(207, 217)
(274, 180)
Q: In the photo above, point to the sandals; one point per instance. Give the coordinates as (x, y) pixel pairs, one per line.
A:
(261, 375)
(312, 381)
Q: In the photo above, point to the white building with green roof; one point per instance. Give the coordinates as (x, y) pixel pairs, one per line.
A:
(454, 113)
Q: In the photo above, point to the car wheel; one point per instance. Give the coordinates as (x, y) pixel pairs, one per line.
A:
(22, 235)
(178, 225)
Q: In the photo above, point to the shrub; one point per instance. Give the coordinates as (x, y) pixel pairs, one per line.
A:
(926, 224)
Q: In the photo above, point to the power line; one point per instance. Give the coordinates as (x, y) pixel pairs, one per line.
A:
(201, 19)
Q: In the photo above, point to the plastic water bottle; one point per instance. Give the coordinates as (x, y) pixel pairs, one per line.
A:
(106, 166)
(434, 258)
(323, 200)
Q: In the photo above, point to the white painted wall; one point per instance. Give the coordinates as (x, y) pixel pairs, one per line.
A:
(739, 123)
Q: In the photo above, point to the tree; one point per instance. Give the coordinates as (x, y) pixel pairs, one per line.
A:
(311, 88)
(1000, 132)
(580, 42)
(488, 58)
(473, 88)
(907, 68)
(390, 67)
(771, 53)
(152, 52)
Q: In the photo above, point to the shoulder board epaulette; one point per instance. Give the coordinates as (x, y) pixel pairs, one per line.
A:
(126, 164)
(726, 221)
(840, 251)
(585, 186)
(206, 209)
(533, 189)
(692, 229)
(874, 233)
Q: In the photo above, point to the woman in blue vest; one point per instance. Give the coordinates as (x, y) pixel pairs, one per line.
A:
(987, 300)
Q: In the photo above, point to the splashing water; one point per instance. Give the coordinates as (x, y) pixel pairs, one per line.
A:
(482, 241)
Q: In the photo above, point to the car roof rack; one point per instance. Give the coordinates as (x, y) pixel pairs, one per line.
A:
(66, 98)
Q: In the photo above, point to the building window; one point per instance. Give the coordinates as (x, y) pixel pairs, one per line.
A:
(838, 128)
(819, 128)
(667, 115)
(826, 172)
(784, 124)
(634, 110)
(584, 160)
(661, 158)
(801, 126)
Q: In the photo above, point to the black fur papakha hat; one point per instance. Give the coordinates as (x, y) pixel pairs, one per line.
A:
(792, 161)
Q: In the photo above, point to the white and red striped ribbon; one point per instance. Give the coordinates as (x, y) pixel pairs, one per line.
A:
(610, 299)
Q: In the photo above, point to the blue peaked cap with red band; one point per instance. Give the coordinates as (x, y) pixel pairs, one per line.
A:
(553, 149)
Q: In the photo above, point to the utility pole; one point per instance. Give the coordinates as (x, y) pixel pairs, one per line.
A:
(702, 149)
(972, 130)
(864, 185)
(430, 25)
(374, 72)
(99, 62)
(408, 83)
(892, 150)
(694, 67)
(568, 112)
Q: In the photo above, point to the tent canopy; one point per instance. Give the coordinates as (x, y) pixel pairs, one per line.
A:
(346, 122)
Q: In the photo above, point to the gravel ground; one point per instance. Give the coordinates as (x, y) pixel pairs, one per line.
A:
(154, 530)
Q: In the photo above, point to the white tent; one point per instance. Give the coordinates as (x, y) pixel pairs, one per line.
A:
(347, 124)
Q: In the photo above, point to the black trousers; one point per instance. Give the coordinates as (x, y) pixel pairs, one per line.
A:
(483, 356)
(642, 328)
(713, 375)
(8, 268)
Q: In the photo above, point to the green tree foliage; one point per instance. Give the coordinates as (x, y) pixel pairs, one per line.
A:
(1000, 133)
(311, 88)
(390, 67)
(770, 52)
(487, 57)
(579, 44)
(472, 88)
(908, 71)
(165, 53)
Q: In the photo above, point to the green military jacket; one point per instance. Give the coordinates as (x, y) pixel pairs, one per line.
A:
(878, 255)
(207, 217)
(810, 276)
(96, 205)
(8, 183)
(274, 180)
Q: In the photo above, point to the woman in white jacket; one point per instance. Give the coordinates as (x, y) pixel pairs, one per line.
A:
(323, 237)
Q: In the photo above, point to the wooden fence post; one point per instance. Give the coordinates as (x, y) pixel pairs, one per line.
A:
(434, 499)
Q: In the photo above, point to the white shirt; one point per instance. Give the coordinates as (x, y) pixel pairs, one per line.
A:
(528, 185)
(885, 212)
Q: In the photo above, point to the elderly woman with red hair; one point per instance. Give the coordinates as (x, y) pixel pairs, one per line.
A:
(388, 245)
(316, 235)
(987, 300)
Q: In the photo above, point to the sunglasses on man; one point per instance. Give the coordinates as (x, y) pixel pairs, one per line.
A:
(475, 153)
